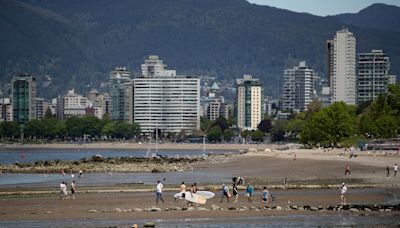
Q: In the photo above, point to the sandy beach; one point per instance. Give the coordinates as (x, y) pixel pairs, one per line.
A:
(313, 176)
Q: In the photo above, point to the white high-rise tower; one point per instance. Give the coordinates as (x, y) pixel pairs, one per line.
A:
(343, 82)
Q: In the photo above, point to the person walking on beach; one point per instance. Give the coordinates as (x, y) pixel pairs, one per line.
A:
(80, 174)
(63, 190)
(395, 168)
(235, 191)
(73, 186)
(387, 171)
(265, 196)
(347, 170)
(343, 191)
(225, 193)
(285, 183)
(250, 192)
(159, 190)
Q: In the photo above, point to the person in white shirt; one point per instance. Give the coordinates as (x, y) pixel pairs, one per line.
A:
(395, 168)
(159, 190)
(63, 190)
(343, 191)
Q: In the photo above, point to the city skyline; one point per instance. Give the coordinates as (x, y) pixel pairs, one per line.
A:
(323, 8)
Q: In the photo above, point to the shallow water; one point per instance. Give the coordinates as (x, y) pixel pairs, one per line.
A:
(10, 156)
(337, 220)
(103, 179)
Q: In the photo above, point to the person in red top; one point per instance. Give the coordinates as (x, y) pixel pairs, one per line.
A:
(347, 170)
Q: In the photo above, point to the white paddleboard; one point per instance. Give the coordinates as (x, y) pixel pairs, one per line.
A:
(206, 194)
(194, 198)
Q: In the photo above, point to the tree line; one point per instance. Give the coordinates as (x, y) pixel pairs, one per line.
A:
(73, 128)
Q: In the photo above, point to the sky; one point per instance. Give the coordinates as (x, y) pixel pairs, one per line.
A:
(323, 7)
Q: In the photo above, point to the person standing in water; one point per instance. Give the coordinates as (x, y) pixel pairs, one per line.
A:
(387, 171)
(235, 191)
(395, 168)
(183, 190)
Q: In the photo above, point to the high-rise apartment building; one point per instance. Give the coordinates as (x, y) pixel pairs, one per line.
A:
(74, 104)
(167, 102)
(373, 75)
(121, 95)
(23, 98)
(330, 60)
(249, 101)
(153, 66)
(40, 107)
(5, 109)
(298, 91)
(343, 81)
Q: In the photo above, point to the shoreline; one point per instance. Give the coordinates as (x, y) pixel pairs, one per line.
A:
(142, 146)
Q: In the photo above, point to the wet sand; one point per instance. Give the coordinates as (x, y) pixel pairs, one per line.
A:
(50, 207)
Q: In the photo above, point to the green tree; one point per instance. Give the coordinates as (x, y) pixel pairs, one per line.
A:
(134, 130)
(91, 125)
(214, 134)
(222, 123)
(257, 136)
(48, 114)
(122, 130)
(34, 129)
(229, 134)
(331, 124)
(246, 134)
(11, 130)
(108, 129)
(265, 125)
(74, 126)
(50, 127)
(278, 131)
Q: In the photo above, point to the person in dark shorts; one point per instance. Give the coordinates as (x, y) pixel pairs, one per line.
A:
(225, 193)
(347, 170)
(73, 189)
(235, 191)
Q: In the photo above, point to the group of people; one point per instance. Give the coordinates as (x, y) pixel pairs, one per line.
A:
(64, 187)
(265, 196)
(395, 169)
(183, 190)
(64, 191)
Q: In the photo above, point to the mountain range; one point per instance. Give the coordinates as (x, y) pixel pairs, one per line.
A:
(75, 43)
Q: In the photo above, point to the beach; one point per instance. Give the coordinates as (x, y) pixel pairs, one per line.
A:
(313, 179)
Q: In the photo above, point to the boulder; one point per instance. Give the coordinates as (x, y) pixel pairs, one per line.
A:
(202, 209)
(354, 210)
(279, 208)
(215, 207)
(314, 208)
(149, 224)
(92, 211)
(118, 210)
(137, 210)
(155, 209)
(294, 207)
(177, 208)
(232, 208)
(190, 209)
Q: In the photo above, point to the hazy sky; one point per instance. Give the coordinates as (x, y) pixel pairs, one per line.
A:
(323, 7)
